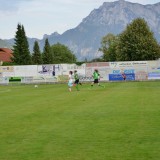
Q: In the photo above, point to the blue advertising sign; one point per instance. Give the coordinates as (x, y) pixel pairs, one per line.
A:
(126, 71)
(153, 75)
(118, 77)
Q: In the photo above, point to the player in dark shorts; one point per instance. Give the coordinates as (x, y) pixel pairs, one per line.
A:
(96, 77)
(124, 76)
(76, 82)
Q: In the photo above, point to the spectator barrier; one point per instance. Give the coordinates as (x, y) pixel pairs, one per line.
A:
(109, 71)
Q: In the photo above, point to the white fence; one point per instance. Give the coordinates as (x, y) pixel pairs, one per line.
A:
(109, 71)
(4, 80)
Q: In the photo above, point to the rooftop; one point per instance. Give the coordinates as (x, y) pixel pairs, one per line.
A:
(6, 54)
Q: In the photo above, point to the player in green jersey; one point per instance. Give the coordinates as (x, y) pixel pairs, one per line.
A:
(76, 82)
(96, 77)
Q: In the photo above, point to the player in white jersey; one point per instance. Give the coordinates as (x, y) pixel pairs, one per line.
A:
(70, 81)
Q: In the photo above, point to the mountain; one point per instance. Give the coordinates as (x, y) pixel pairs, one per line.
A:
(111, 17)
(4, 44)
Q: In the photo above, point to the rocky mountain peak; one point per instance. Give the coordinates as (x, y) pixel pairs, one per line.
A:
(55, 34)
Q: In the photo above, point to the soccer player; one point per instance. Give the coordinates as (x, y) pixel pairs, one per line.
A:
(124, 76)
(76, 82)
(96, 77)
(70, 81)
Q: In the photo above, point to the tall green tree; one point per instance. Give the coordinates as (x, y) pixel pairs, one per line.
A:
(36, 56)
(137, 42)
(109, 45)
(46, 55)
(62, 54)
(21, 53)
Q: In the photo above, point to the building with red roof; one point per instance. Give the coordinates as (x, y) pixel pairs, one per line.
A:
(5, 55)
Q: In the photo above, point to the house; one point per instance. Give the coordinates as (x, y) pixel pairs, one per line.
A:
(5, 55)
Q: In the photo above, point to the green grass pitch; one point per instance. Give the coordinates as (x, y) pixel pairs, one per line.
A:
(118, 122)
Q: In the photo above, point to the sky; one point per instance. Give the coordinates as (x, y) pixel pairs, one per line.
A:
(41, 17)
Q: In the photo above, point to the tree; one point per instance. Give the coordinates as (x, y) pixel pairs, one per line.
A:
(137, 43)
(21, 53)
(97, 60)
(47, 56)
(36, 57)
(62, 54)
(109, 45)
